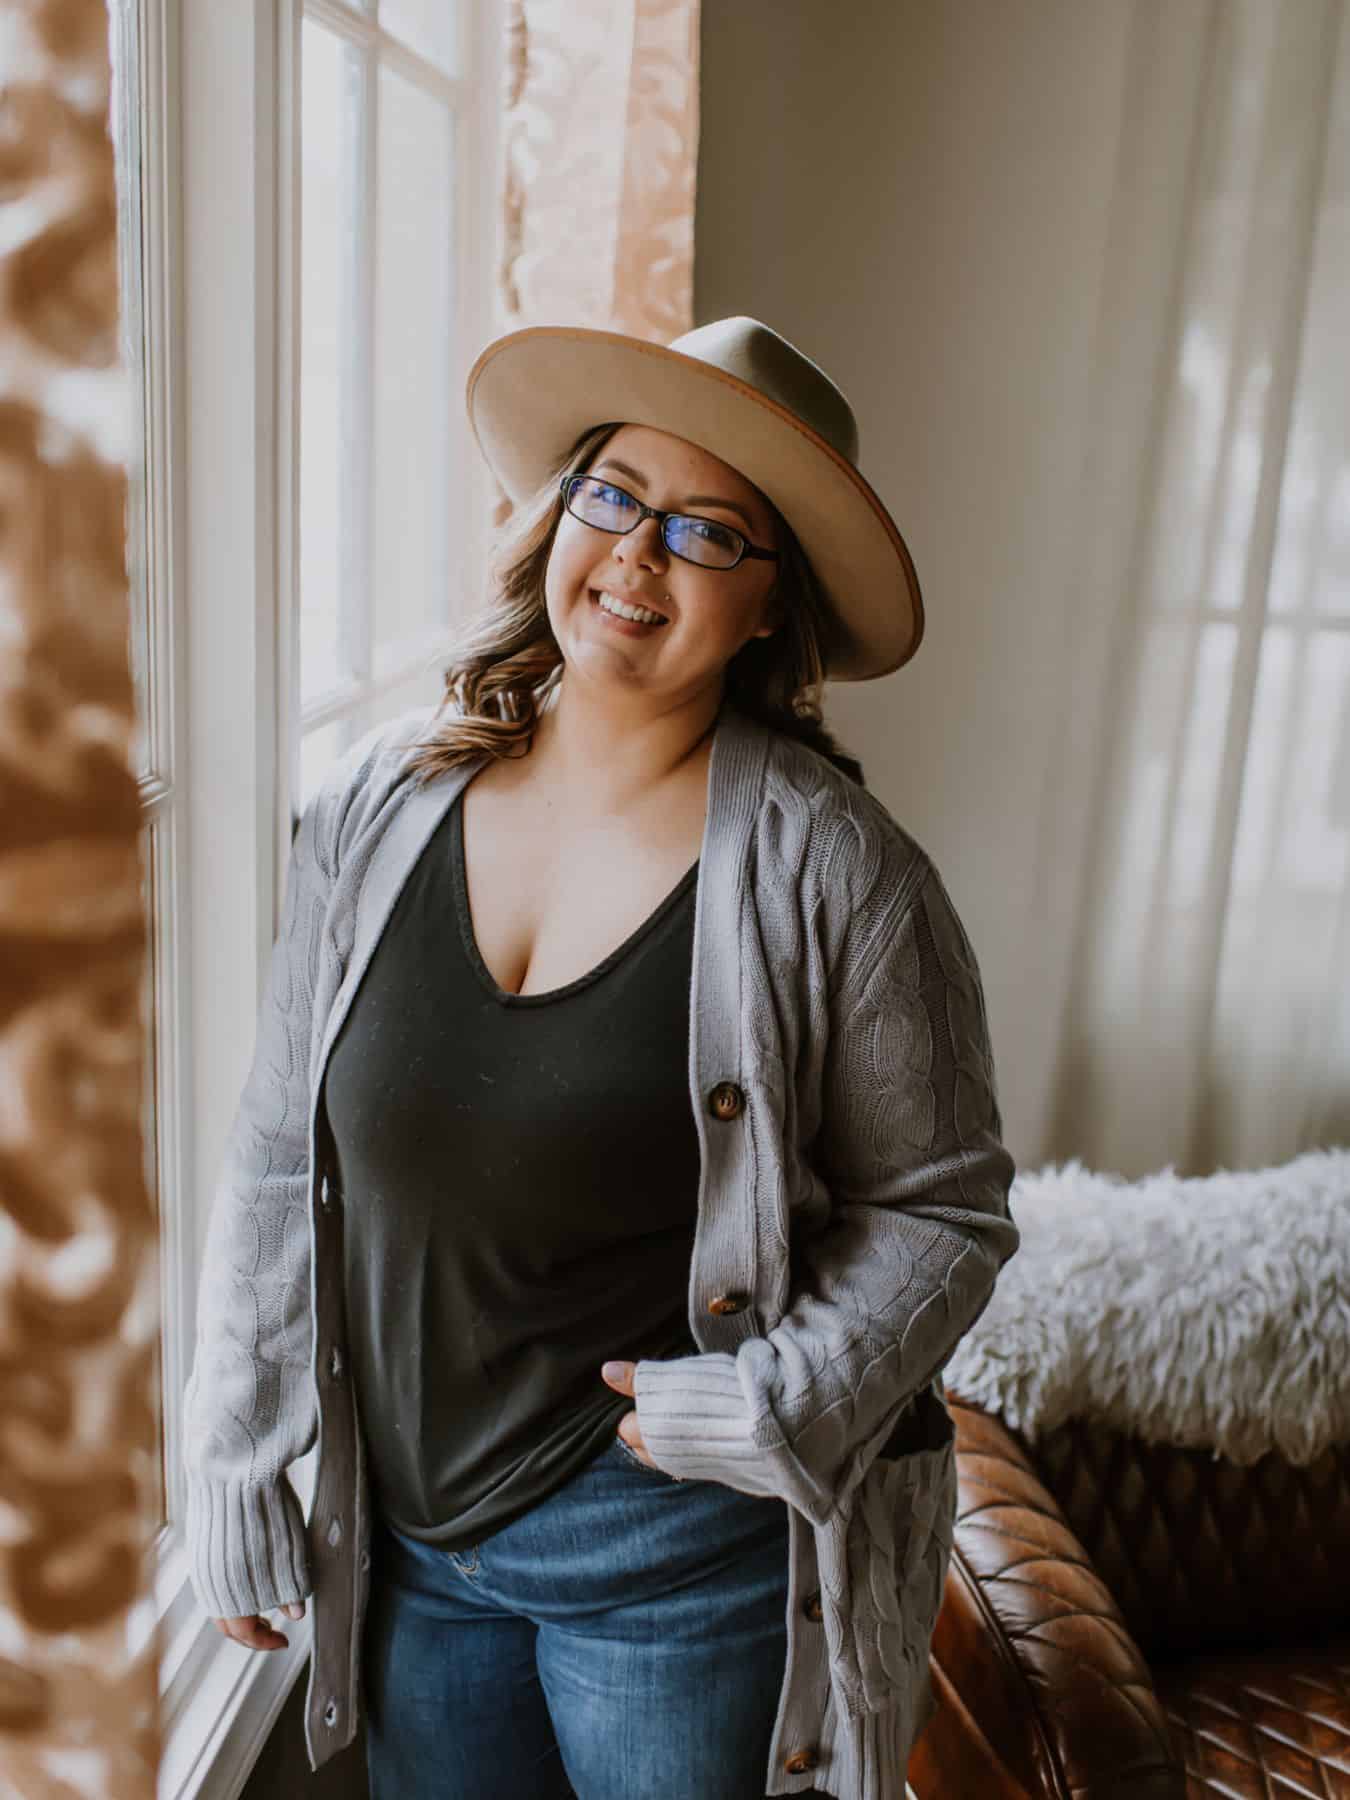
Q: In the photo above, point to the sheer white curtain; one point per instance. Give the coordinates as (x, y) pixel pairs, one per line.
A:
(1205, 1006)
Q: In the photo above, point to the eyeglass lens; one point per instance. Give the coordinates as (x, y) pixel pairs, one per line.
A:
(609, 508)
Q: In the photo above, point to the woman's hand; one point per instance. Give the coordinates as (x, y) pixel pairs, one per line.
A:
(254, 1633)
(620, 1375)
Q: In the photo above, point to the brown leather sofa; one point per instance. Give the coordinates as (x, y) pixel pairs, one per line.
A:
(1128, 1621)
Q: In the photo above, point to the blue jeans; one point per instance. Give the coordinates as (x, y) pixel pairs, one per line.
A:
(624, 1640)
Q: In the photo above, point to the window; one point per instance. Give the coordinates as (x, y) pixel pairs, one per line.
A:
(383, 455)
(306, 251)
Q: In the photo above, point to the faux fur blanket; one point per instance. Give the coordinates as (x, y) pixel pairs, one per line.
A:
(1210, 1312)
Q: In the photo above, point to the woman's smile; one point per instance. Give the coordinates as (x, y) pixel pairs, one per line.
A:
(632, 627)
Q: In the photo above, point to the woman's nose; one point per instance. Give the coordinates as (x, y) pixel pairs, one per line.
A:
(645, 544)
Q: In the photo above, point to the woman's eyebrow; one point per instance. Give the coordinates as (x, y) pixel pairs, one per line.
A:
(612, 462)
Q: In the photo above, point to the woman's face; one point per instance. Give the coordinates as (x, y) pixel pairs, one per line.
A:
(709, 613)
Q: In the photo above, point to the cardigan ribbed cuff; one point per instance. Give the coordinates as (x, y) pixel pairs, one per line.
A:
(696, 1425)
(247, 1546)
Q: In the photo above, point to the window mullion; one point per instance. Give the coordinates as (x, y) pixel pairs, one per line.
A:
(356, 626)
(290, 352)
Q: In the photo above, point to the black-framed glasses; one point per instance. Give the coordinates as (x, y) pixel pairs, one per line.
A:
(706, 542)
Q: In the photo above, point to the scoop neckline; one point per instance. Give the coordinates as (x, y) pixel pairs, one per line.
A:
(503, 996)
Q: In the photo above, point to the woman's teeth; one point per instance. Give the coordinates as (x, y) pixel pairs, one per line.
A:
(639, 613)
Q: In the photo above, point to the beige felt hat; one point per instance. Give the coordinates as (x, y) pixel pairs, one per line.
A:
(739, 390)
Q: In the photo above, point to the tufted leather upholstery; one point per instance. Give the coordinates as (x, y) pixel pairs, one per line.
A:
(1201, 1553)
(1124, 1619)
(1032, 1641)
(1263, 1724)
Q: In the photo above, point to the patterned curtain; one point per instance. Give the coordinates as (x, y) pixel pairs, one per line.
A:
(600, 146)
(78, 1281)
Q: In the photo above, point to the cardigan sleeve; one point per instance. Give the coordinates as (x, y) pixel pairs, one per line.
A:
(918, 1229)
(249, 1406)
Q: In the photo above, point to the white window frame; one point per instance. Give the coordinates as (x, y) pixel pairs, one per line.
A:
(219, 197)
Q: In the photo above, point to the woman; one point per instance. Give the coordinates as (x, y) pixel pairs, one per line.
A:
(621, 1153)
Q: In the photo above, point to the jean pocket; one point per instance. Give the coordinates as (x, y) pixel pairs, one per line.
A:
(631, 1457)
(883, 1568)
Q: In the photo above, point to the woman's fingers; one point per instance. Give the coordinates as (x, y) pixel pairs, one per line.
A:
(254, 1633)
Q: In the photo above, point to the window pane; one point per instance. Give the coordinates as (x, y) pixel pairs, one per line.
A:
(422, 689)
(430, 27)
(318, 748)
(413, 404)
(329, 275)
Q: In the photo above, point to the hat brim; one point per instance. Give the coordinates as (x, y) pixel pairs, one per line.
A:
(531, 393)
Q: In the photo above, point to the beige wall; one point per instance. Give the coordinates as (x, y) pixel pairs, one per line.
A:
(921, 204)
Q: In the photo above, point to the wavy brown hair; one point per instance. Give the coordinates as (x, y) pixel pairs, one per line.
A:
(507, 660)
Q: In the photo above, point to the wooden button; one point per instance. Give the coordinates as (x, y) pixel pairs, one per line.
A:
(811, 1606)
(726, 1100)
(728, 1303)
(802, 1760)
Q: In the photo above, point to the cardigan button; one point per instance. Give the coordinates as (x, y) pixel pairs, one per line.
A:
(335, 1363)
(728, 1303)
(802, 1760)
(726, 1100)
(330, 1713)
(811, 1606)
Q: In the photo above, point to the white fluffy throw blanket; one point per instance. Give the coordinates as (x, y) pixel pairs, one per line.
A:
(1210, 1312)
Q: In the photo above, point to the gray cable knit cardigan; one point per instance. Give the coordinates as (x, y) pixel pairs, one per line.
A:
(852, 1218)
